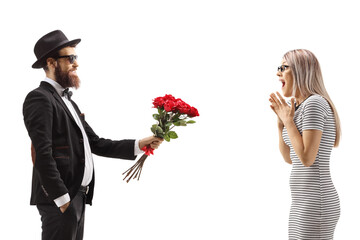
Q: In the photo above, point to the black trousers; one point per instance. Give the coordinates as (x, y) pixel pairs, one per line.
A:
(64, 226)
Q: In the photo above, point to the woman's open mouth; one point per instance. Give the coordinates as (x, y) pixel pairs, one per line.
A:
(282, 82)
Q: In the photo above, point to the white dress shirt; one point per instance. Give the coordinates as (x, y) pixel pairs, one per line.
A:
(89, 164)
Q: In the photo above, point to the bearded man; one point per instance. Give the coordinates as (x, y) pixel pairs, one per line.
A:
(63, 142)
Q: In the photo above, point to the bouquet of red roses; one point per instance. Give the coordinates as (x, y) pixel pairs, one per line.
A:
(171, 112)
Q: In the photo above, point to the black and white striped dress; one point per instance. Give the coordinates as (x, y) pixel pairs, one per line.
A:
(315, 207)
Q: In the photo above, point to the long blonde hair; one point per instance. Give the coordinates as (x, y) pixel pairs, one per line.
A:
(308, 80)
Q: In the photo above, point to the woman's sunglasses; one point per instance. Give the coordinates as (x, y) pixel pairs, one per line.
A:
(71, 58)
(282, 68)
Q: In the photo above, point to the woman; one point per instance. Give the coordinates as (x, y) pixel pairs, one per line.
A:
(308, 129)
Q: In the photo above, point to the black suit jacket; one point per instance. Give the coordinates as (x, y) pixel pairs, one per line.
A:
(58, 148)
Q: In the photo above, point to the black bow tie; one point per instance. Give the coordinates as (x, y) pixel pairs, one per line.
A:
(67, 93)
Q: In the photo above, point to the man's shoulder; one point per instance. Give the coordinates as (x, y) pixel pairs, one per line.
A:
(44, 90)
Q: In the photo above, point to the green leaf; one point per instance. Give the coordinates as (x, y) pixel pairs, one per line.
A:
(190, 122)
(167, 138)
(160, 135)
(176, 117)
(156, 116)
(159, 129)
(177, 123)
(153, 128)
(182, 123)
(173, 135)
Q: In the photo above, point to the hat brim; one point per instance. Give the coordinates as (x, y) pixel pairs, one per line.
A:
(41, 62)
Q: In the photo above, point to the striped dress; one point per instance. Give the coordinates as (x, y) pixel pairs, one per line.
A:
(315, 207)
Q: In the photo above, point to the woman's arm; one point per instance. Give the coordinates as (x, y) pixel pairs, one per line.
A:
(306, 146)
(284, 149)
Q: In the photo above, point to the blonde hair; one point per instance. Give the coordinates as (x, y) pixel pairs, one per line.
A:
(308, 80)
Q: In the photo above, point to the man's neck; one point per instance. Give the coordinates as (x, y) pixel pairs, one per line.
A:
(50, 75)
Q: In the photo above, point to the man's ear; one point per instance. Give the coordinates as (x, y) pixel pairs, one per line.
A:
(51, 63)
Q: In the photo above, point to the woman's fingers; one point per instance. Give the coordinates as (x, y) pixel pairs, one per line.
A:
(292, 105)
(282, 100)
(272, 107)
(275, 99)
(273, 104)
(281, 108)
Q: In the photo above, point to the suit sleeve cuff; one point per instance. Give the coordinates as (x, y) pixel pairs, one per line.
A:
(62, 200)
(137, 150)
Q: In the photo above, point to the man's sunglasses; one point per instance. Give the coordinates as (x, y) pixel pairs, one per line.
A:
(71, 58)
(282, 68)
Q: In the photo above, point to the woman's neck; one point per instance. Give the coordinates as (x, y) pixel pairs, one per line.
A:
(301, 98)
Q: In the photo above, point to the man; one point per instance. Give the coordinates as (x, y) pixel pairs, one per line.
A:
(62, 142)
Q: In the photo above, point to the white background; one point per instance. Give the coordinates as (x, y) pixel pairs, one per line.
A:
(223, 178)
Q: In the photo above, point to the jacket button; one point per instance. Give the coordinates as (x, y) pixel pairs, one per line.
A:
(81, 141)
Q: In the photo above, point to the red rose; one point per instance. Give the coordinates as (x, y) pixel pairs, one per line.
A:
(193, 112)
(169, 97)
(158, 102)
(182, 107)
(169, 106)
(172, 104)
(171, 112)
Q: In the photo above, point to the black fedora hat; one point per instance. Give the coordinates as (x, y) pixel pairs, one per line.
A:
(50, 43)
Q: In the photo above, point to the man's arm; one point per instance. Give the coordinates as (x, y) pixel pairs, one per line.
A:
(125, 149)
(38, 119)
(110, 148)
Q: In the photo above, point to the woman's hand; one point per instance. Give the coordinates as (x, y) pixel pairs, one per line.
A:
(280, 107)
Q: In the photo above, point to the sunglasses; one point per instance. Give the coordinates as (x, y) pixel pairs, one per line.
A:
(71, 58)
(282, 68)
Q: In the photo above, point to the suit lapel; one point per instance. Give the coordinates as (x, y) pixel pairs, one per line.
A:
(58, 98)
(81, 115)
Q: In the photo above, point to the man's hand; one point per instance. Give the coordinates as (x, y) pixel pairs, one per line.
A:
(154, 142)
(64, 207)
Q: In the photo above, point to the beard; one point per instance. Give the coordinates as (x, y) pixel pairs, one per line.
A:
(66, 79)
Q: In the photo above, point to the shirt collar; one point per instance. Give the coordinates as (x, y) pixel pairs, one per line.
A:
(59, 89)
